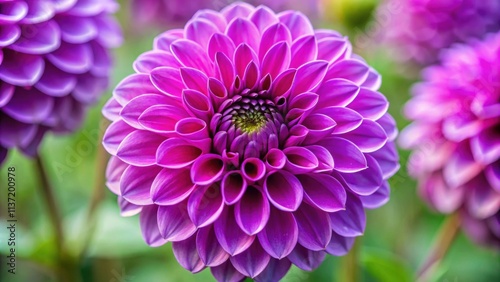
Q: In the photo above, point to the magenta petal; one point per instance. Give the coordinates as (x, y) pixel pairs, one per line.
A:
(306, 259)
(244, 31)
(368, 137)
(280, 235)
(186, 254)
(139, 104)
(38, 39)
(461, 166)
(389, 125)
(483, 201)
(177, 153)
(200, 31)
(149, 226)
(192, 128)
(493, 175)
(282, 84)
(243, 56)
(309, 77)
(194, 79)
(347, 157)
(339, 245)
(352, 221)
(210, 251)
(127, 208)
(115, 134)
(263, 17)
(171, 186)
(111, 110)
(6, 92)
(253, 169)
(164, 40)
(297, 23)
(300, 160)
(226, 273)
(135, 184)
(252, 261)
(283, 190)
(167, 80)
(233, 187)
(352, 70)
(133, 86)
(207, 169)
(77, 30)
(72, 58)
(161, 119)
(198, 104)
(252, 211)
(114, 171)
(174, 223)
(370, 104)
(205, 205)
(21, 69)
(304, 49)
(319, 126)
(225, 69)
(388, 159)
(378, 198)
(346, 119)
(314, 226)
(325, 159)
(29, 106)
(442, 197)
(272, 35)
(275, 159)
(331, 49)
(367, 181)
(183, 50)
(485, 146)
(230, 235)
(337, 92)
(323, 191)
(220, 43)
(139, 148)
(151, 60)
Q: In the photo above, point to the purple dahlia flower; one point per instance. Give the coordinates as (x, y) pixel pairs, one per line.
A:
(419, 29)
(251, 141)
(177, 12)
(54, 62)
(456, 136)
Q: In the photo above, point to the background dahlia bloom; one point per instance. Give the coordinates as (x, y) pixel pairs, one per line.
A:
(178, 12)
(419, 29)
(251, 141)
(456, 136)
(53, 64)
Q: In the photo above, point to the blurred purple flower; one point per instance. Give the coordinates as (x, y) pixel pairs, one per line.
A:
(419, 29)
(53, 64)
(456, 136)
(251, 141)
(168, 13)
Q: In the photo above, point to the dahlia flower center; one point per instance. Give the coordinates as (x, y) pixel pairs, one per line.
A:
(249, 121)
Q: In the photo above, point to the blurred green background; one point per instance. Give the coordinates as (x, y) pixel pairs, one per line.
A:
(397, 240)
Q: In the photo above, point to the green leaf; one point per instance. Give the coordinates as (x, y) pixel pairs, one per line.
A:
(385, 266)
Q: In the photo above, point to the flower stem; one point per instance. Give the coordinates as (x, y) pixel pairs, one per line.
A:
(350, 264)
(98, 190)
(47, 192)
(447, 234)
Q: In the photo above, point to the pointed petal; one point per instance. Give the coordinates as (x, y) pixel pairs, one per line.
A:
(205, 205)
(280, 235)
(171, 186)
(352, 221)
(174, 223)
(323, 191)
(232, 239)
(149, 226)
(210, 251)
(252, 261)
(283, 190)
(252, 211)
(186, 254)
